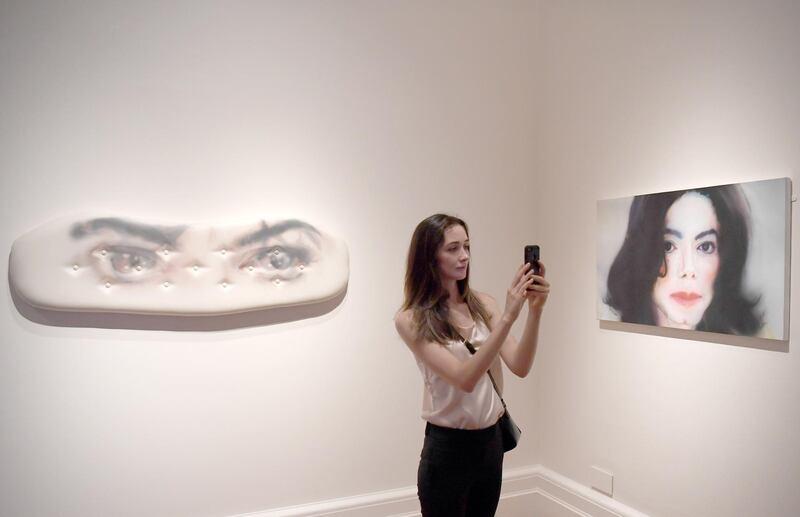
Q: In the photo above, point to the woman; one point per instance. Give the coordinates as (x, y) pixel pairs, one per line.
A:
(682, 262)
(460, 469)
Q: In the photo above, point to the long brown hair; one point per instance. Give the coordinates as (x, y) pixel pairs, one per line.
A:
(424, 294)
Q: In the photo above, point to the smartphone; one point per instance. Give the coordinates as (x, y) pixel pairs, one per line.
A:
(532, 257)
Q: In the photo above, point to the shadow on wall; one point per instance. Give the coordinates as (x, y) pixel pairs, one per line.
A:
(196, 323)
(770, 345)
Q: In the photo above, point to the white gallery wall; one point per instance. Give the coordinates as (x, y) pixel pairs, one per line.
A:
(640, 97)
(365, 117)
(360, 117)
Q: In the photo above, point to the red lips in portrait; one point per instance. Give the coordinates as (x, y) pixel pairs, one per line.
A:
(685, 298)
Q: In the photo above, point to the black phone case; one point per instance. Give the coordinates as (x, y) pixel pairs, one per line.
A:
(532, 257)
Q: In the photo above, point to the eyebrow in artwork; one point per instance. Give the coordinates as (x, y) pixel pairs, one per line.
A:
(266, 231)
(155, 234)
(706, 233)
(676, 233)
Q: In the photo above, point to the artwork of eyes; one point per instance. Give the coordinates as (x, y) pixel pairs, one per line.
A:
(112, 264)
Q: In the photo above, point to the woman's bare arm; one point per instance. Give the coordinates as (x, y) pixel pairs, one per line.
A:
(466, 374)
(519, 355)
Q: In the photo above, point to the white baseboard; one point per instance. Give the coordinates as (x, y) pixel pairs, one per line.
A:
(533, 490)
(561, 495)
(401, 501)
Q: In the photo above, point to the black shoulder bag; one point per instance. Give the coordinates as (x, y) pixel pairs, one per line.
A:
(508, 428)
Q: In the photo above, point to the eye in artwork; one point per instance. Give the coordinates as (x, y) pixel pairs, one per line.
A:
(124, 265)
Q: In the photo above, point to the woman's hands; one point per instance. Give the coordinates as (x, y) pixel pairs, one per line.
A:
(519, 355)
(526, 286)
(538, 291)
(518, 292)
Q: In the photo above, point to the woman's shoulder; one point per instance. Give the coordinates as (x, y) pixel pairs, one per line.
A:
(404, 320)
(485, 298)
(403, 315)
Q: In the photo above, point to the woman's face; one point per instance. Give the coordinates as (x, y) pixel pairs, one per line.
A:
(685, 285)
(453, 255)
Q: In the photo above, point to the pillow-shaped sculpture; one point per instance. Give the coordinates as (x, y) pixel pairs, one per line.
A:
(123, 265)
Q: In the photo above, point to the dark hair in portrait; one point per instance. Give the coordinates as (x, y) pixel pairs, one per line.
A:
(424, 293)
(641, 260)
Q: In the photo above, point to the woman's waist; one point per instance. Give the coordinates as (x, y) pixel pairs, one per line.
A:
(453, 434)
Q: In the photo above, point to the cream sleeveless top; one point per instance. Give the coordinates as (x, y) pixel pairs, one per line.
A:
(448, 406)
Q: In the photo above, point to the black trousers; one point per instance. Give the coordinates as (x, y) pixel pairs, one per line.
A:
(460, 472)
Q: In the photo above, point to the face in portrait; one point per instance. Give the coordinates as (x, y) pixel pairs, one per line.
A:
(682, 262)
(684, 286)
(128, 266)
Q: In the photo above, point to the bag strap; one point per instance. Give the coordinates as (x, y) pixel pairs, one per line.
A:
(471, 349)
